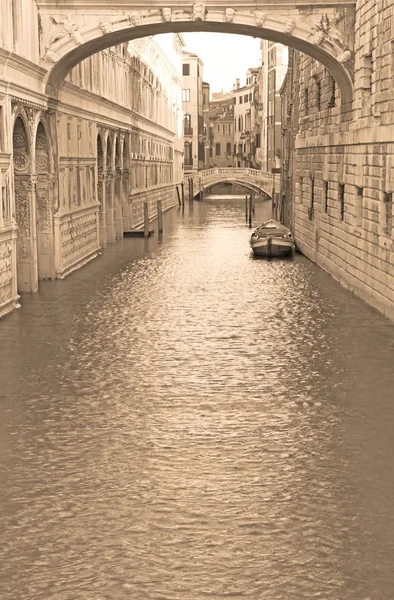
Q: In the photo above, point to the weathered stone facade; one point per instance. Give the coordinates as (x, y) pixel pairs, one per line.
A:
(339, 176)
(75, 173)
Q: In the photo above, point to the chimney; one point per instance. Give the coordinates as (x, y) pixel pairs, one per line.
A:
(237, 84)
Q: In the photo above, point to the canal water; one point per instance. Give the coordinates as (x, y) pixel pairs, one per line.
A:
(181, 421)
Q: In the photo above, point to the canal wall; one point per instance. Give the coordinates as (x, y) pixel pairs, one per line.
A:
(341, 183)
(76, 172)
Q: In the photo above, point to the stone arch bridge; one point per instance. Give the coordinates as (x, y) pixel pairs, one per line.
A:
(69, 34)
(251, 179)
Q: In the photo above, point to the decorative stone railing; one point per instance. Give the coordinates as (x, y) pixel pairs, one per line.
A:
(248, 176)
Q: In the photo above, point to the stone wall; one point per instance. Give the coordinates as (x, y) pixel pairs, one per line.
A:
(342, 173)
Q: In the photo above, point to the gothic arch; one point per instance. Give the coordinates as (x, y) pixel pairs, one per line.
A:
(310, 31)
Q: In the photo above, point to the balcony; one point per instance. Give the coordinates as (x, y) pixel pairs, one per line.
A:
(188, 131)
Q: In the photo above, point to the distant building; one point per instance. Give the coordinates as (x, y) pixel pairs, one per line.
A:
(193, 120)
(244, 120)
(205, 110)
(274, 62)
(221, 131)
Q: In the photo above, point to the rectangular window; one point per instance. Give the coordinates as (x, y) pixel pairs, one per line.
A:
(341, 198)
(228, 148)
(186, 95)
(240, 100)
(210, 152)
(311, 209)
(388, 217)
(185, 69)
(358, 206)
(306, 100)
(235, 149)
(246, 97)
(217, 150)
(258, 140)
(332, 92)
(325, 196)
(318, 95)
(250, 97)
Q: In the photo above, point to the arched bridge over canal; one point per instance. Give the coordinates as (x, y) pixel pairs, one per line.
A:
(251, 179)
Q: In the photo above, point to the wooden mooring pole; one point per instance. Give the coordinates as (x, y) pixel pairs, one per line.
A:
(183, 192)
(253, 203)
(159, 217)
(246, 209)
(179, 198)
(250, 210)
(146, 219)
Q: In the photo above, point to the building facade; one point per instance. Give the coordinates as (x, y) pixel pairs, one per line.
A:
(193, 119)
(75, 174)
(244, 120)
(221, 131)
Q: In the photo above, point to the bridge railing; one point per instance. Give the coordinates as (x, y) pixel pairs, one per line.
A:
(217, 173)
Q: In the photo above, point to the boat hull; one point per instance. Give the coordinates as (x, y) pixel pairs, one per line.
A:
(272, 246)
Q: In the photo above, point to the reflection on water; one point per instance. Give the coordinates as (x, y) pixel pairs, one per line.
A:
(183, 421)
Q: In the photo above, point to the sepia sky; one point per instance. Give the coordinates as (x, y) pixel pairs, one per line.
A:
(225, 56)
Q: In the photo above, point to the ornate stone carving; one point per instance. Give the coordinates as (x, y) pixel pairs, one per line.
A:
(21, 162)
(106, 27)
(23, 191)
(290, 26)
(344, 57)
(6, 274)
(261, 18)
(325, 31)
(166, 14)
(71, 29)
(229, 14)
(51, 56)
(78, 237)
(199, 12)
(135, 18)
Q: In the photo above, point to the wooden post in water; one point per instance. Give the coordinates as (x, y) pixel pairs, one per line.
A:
(191, 198)
(146, 219)
(159, 217)
(253, 202)
(183, 193)
(250, 210)
(179, 198)
(246, 209)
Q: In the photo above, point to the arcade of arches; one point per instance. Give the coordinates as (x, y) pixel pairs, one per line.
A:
(90, 130)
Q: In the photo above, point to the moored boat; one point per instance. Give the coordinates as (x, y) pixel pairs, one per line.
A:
(271, 238)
